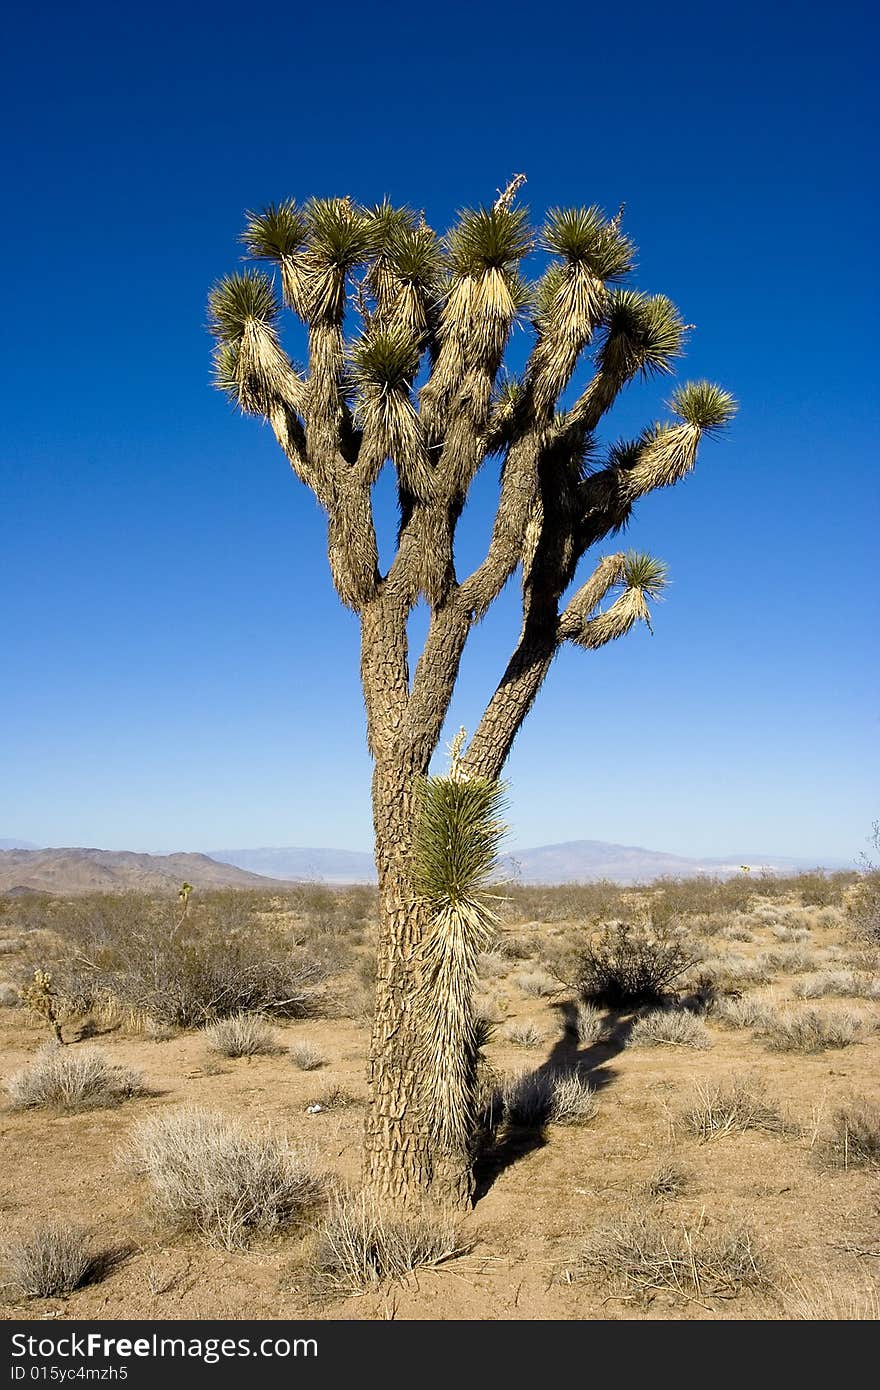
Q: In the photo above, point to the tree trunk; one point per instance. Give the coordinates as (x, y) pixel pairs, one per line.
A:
(402, 1165)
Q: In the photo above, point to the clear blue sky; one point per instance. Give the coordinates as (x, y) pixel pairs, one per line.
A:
(177, 670)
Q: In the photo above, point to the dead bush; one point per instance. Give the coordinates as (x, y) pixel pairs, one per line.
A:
(50, 1261)
(523, 1034)
(809, 1030)
(306, 1056)
(735, 1104)
(531, 1100)
(241, 1035)
(855, 1135)
(61, 1079)
(214, 1175)
(360, 1246)
(674, 1027)
(641, 1254)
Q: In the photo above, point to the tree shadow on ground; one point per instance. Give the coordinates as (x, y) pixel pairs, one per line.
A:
(505, 1143)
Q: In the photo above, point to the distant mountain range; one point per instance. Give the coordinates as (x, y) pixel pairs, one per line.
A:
(111, 871)
(576, 861)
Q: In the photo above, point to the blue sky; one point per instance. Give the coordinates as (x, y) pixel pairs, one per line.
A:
(178, 673)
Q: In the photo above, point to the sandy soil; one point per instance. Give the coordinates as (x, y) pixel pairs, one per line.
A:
(534, 1208)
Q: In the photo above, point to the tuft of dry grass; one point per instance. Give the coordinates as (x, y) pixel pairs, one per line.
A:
(59, 1079)
(50, 1260)
(214, 1175)
(537, 984)
(827, 1300)
(531, 1100)
(810, 1030)
(668, 1179)
(855, 1138)
(306, 1056)
(674, 1027)
(241, 1035)
(524, 1034)
(360, 1246)
(843, 983)
(589, 1025)
(747, 1012)
(641, 1254)
(333, 1097)
(793, 962)
(725, 1107)
(792, 934)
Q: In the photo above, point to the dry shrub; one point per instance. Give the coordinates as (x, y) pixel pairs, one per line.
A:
(863, 910)
(59, 1079)
(51, 1260)
(10, 997)
(844, 983)
(809, 1030)
(735, 932)
(334, 1097)
(214, 1175)
(531, 1100)
(589, 1025)
(360, 1246)
(306, 1056)
(537, 984)
(641, 1254)
(747, 1012)
(788, 962)
(736, 1104)
(668, 1179)
(131, 954)
(241, 1035)
(731, 973)
(792, 934)
(855, 1136)
(627, 965)
(493, 965)
(676, 1027)
(523, 1034)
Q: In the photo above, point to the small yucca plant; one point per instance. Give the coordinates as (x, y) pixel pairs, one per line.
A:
(455, 844)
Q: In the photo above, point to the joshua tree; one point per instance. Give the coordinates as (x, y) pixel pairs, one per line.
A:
(407, 334)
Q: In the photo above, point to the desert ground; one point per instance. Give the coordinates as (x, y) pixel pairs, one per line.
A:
(724, 1164)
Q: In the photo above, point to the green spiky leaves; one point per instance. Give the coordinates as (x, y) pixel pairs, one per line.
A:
(584, 236)
(385, 359)
(644, 572)
(704, 406)
(276, 233)
(644, 334)
(642, 578)
(239, 300)
(493, 238)
(339, 233)
(456, 835)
